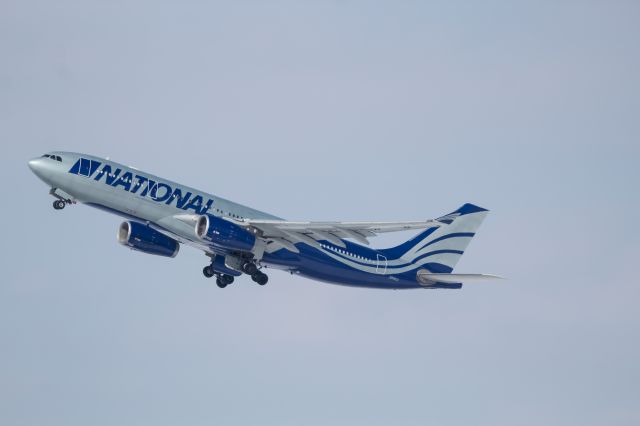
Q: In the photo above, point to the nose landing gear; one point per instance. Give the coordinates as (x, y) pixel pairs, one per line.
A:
(62, 198)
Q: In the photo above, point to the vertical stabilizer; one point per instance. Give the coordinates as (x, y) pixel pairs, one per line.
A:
(439, 248)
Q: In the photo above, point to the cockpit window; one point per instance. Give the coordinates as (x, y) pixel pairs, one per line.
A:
(53, 157)
(58, 158)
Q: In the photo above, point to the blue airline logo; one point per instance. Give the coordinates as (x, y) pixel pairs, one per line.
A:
(157, 191)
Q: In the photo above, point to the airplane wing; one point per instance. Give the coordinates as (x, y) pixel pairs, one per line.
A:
(284, 234)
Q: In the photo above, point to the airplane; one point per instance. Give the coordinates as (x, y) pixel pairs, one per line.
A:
(161, 215)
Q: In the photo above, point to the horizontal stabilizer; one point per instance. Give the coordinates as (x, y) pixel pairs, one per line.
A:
(426, 277)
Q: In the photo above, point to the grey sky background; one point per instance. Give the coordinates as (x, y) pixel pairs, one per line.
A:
(338, 110)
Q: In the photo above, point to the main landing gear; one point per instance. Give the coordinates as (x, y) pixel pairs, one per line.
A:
(59, 204)
(260, 277)
(222, 280)
(207, 271)
(250, 268)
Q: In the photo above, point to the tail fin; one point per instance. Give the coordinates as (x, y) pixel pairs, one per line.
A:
(439, 248)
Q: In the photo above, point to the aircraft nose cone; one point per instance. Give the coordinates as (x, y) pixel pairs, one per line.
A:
(35, 164)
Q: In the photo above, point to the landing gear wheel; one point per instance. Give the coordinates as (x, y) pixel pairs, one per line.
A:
(226, 279)
(250, 268)
(59, 204)
(207, 271)
(220, 283)
(260, 278)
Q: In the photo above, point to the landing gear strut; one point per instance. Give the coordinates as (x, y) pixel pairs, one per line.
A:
(62, 198)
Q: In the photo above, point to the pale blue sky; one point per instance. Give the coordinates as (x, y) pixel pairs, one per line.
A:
(326, 111)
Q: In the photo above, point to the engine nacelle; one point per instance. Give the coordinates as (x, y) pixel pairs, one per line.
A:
(224, 233)
(140, 237)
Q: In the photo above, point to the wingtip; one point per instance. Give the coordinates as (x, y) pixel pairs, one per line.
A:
(496, 277)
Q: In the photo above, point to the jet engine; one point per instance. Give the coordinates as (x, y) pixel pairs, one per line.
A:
(223, 233)
(142, 238)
